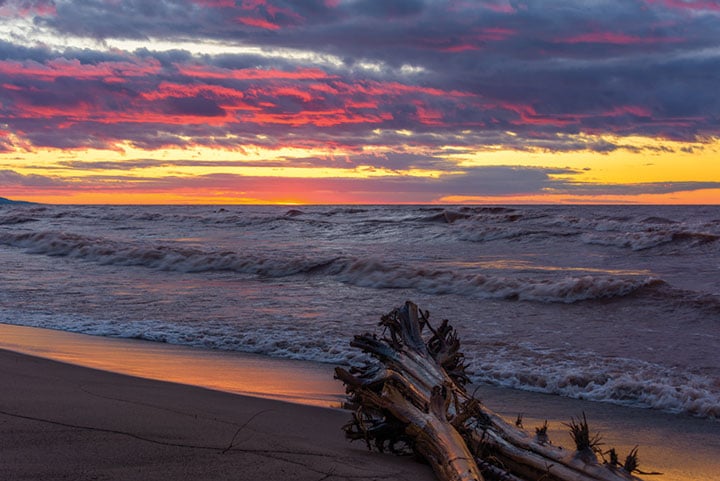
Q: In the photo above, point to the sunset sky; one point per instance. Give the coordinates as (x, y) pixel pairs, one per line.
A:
(360, 101)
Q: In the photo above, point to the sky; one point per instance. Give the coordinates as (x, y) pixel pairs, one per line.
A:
(360, 101)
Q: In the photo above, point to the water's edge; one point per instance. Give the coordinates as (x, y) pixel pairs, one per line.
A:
(302, 382)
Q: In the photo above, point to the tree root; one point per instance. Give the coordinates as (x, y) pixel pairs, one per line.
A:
(411, 398)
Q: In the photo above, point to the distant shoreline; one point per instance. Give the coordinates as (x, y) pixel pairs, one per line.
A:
(6, 201)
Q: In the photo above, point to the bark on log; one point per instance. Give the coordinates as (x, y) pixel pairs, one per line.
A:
(412, 398)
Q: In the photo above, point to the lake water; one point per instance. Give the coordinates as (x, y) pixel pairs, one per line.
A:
(616, 304)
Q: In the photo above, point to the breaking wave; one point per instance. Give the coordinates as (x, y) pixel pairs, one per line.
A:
(567, 289)
(646, 240)
(371, 273)
(592, 377)
(13, 219)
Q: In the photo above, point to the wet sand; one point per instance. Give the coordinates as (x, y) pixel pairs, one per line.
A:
(62, 421)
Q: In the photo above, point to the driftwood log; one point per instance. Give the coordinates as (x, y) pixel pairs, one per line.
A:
(411, 398)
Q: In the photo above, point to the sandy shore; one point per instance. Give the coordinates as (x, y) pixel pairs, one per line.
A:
(61, 421)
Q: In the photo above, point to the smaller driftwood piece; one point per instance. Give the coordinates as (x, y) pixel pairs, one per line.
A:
(411, 398)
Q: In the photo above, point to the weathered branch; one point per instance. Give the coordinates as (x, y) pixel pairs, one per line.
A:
(413, 396)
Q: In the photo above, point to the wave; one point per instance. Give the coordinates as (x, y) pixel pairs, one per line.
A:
(371, 273)
(156, 256)
(569, 289)
(445, 217)
(346, 211)
(638, 241)
(592, 377)
(623, 232)
(493, 233)
(658, 220)
(14, 219)
(667, 294)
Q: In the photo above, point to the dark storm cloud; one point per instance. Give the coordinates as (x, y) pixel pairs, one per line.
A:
(388, 8)
(474, 71)
(134, 19)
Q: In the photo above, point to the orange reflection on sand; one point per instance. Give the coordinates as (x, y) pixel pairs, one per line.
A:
(247, 374)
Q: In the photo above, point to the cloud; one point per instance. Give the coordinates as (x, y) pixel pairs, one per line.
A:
(10, 179)
(633, 189)
(532, 69)
(690, 5)
(24, 8)
(391, 85)
(474, 183)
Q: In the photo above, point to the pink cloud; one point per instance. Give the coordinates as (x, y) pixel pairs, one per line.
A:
(86, 112)
(200, 71)
(319, 118)
(290, 92)
(396, 88)
(216, 3)
(428, 116)
(636, 110)
(352, 104)
(28, 8)
(616, 39)
(258, 22)
(272, 10)
(529, 116)
(227, 98)
(495, 34)
(459, 48)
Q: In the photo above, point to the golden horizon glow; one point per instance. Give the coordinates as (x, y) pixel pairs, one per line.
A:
(641, 159)
(130, 175)
(696, 197)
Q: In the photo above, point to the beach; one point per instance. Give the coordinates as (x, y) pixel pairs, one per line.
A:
(61, 421)
(64, 421)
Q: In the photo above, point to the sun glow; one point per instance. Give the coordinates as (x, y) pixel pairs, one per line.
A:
(96, 175)
(633, 160)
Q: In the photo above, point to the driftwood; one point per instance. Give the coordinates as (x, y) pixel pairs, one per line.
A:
(412, 398)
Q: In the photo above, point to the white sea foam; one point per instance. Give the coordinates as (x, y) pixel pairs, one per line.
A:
(593, 377)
